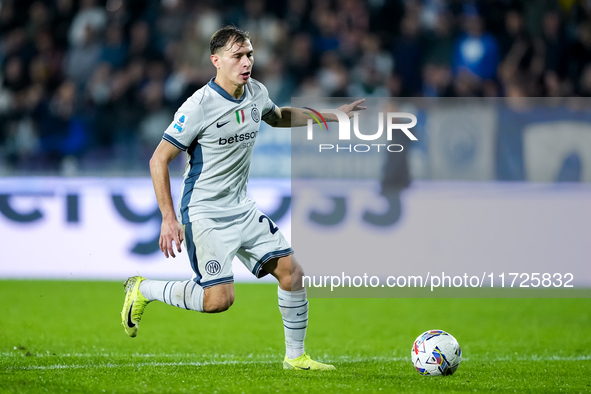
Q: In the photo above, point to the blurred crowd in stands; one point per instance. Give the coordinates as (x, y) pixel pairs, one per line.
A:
(90, 84)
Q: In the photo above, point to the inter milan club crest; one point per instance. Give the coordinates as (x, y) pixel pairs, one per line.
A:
(212, 267)
(255, 115)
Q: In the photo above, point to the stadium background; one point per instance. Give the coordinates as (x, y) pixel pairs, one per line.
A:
(89, 86)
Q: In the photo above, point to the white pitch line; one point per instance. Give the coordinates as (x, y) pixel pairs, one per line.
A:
(139, 365)
(147, 355)
(543, 358)
(275, 359)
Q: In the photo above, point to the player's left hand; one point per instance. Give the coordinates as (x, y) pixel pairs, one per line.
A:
(350, 108)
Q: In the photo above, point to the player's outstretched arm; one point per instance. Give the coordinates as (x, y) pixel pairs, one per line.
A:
(295, 117)
(171, 229)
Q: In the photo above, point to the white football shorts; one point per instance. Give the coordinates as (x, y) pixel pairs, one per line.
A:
(212, 244)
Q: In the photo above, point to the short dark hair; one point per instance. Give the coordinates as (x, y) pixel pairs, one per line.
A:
(229, 34)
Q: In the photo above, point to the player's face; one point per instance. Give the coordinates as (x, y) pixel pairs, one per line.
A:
(236, 62)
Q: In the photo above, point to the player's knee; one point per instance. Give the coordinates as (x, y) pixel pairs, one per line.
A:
(292, 280)
(298, 272)
(285, 282)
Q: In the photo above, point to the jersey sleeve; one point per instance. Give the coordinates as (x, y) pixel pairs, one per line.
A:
(185, 127)
(269, 106)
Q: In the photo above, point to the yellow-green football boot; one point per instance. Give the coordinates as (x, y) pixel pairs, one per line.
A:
(304, 362)
(134, 305)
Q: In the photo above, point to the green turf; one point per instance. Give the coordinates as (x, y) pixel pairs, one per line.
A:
(66, 337)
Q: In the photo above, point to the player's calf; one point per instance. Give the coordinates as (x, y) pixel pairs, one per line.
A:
(218, 298)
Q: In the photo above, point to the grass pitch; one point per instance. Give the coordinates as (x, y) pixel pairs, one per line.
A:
(60, 336)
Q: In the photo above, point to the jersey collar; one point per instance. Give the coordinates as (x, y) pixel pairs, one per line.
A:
(223, 93)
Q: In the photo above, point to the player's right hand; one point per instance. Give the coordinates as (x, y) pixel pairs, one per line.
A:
(170, 231)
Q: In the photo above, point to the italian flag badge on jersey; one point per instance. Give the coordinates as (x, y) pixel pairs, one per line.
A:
(240, 116)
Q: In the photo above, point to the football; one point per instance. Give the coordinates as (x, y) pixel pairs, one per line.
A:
(435, 352)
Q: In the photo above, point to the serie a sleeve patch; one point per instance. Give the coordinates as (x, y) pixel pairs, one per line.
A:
(179, 123)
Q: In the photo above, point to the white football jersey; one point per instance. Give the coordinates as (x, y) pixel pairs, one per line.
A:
(218, 133)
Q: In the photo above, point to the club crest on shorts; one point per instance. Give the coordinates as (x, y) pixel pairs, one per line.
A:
(255, 115)
(212, 267)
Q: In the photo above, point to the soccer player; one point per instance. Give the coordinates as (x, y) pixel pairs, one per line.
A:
(218, 126)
